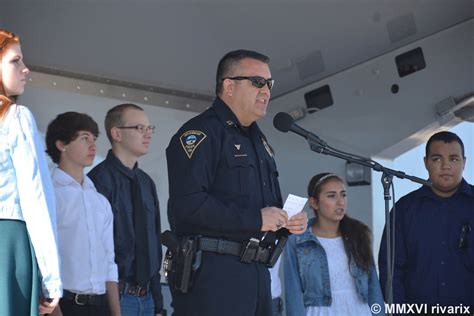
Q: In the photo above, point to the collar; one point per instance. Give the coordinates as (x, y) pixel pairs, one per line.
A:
(65, 179)
(227, 117)
(113, 160)
(11, 112)
(464, 188)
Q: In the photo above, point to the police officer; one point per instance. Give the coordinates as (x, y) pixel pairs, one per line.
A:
(223, 186)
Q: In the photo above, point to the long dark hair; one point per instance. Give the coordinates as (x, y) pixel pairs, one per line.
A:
(356, 236)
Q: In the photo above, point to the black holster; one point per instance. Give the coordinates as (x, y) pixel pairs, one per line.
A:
(182, 260)
(277, 250)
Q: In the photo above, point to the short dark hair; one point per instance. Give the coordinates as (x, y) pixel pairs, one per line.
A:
(447, 137)
(230, 61)
(65, 127)
(114, 117)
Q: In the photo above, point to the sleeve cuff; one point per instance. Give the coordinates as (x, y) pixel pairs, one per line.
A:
(53, 291)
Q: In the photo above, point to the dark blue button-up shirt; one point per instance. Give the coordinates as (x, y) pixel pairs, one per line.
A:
(220, 176)
(430, 267)
(114, 180)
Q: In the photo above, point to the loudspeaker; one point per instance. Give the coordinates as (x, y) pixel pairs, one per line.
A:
(319, 98)
(410, 62)
(357, 174)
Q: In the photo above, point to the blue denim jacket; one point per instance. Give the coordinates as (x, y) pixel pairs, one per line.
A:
(307, 276)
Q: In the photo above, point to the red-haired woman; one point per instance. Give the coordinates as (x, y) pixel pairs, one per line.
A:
(27, 210)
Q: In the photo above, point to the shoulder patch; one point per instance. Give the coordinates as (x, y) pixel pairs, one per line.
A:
(190, 140)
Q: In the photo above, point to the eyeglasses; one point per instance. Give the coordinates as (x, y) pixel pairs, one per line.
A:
(256, 81)
(142, 129)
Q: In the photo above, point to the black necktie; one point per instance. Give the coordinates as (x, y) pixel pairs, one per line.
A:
(142, 260)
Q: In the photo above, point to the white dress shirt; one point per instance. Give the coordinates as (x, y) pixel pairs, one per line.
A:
(26, 192)
(275, 279)
(85, 235)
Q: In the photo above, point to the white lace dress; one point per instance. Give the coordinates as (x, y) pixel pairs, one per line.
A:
(345, 300)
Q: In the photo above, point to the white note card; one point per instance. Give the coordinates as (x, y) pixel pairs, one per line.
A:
(294, 204)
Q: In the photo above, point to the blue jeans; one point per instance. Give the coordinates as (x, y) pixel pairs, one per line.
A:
(137, 306)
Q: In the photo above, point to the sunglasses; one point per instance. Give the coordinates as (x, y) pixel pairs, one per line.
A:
(256, 81)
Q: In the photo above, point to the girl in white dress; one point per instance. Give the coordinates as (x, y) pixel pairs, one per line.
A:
(329, 270)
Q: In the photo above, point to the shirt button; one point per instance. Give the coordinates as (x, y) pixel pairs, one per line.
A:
(261, 161)
(264, 183)
(442, 262)
(443, 284)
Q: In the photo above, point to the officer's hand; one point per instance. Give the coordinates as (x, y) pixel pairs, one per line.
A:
(273, 218)
(297, 223)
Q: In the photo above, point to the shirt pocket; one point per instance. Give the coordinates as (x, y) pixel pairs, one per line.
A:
(310, 270)
(241, 174)
(464, 230)
(274, 178)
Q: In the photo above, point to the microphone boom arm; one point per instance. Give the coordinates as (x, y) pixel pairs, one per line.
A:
(284, 122)
(319, 146)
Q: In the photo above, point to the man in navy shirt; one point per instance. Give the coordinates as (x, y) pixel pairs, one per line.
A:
(434, 242)
(132, 195)
(223, 186)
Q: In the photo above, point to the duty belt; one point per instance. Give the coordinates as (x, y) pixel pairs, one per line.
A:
(248, 251)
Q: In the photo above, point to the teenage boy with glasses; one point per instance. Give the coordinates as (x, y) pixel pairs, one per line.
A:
(132, 194)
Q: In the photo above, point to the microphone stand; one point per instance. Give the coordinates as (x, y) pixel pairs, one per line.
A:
(319, 146)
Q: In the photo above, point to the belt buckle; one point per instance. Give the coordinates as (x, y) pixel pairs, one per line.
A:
(139, 290)
(131, 289)
(77, 301)
(136, 290)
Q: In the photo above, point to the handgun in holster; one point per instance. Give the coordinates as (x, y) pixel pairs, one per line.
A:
(277, 247)
(182, 260)
(277, 250)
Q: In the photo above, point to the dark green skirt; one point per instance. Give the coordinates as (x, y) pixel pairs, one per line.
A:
(19, 284)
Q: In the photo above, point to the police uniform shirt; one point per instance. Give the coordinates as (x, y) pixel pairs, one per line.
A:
(221, 175)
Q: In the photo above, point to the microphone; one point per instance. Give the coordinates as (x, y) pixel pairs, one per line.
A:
(284, 122)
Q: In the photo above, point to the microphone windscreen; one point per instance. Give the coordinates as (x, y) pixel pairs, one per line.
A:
(283, 121)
